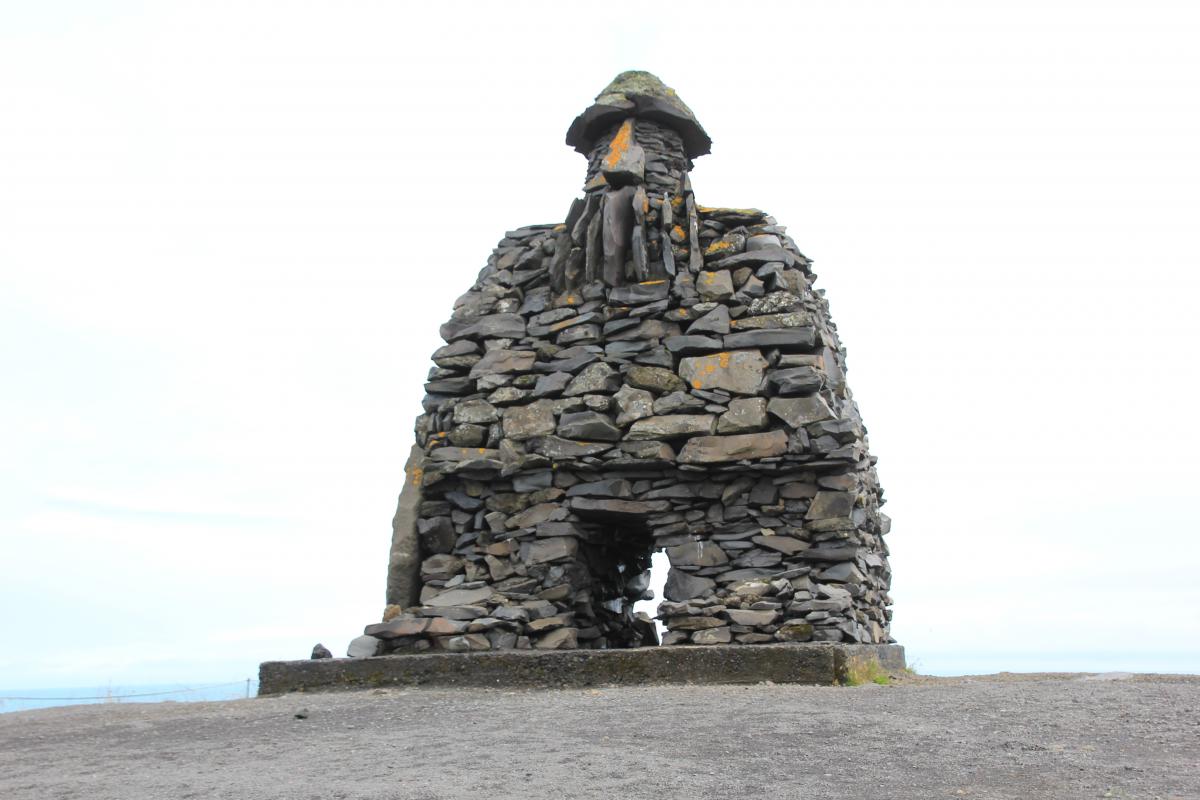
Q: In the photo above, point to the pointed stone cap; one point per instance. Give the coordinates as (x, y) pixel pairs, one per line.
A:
(638, 94)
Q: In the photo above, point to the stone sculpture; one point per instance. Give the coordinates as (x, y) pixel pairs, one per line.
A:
(650, 374)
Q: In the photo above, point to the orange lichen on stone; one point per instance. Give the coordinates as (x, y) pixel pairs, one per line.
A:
(416, 476)
(677, 200)
(620, 145)
(559, 228)
(723, 359)
(678, 231)
(697, 384)
(717, 247)
(650, 283)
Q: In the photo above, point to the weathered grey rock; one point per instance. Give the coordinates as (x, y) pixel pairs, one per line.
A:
(554, 447)
(671, 426)
(789, 319)
(551, 385)
(774, 303)
(830, 504)
(745, 415)
(561, 639)
(635, 509)
(714, 322)
(718, 449)
(683, 586)
(693, 623)
(783, 544)
(466, 643)
(787, 338)
(753, 258)
(800, 411)
(395, 628)
(648, 451)
(528, 421)
(712, 636)
(363, 647)
(639, 293)
(610, 487)
(504, 361)
(494, 326)
(543, 551)
(794, 631)
(691, 345)
(404, 557)
(738, 371)
(441, 566)
(476, 412)
(460, 597)
(588, 425)
(751, 618)
(458, 355)
(654, 379)
(598, 377)
(714, 286)
(796, 380)
(697, 554)
(677, 402)
(633, 404)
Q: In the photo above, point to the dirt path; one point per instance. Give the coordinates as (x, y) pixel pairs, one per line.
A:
(1060, 736)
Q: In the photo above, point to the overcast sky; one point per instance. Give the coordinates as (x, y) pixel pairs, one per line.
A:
(229, 232)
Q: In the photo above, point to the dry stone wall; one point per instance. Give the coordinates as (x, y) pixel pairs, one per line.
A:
(649, 375)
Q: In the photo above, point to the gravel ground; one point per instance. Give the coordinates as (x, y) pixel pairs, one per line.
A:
(1000, 736)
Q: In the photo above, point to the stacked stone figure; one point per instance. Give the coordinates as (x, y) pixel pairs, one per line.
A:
(649, 375)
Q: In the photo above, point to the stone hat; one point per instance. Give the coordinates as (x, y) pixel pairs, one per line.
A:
(638, 94)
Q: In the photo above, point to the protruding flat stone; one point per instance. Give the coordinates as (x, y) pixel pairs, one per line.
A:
(672, 425)
(718, 449)
(800, 411)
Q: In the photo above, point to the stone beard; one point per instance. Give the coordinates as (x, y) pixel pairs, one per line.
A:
(648, 375)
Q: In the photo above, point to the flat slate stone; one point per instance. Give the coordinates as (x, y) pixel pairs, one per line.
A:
(497, 362)
(796, 380)
(753, 258)
(556, 447)
(654, 379)
(738, 371)
(790, 319)
(800, 411)
(784, 338)
(589, 426)
(638, 293)
(526, 422)
(718, 449)
(621, 508)
(595, 378)
(671, 426)
(493, 326)
(745, 415)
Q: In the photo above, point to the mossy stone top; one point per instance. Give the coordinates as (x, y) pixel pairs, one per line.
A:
(638, 94)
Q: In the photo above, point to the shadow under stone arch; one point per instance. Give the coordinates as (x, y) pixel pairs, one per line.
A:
(648, 374)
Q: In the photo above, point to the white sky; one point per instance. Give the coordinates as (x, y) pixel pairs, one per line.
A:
(229, 232)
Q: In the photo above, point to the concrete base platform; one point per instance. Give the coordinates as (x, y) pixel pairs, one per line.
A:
(811, 663)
